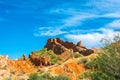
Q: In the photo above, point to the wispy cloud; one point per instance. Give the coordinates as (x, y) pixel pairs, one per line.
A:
(108, 9)
(112, 15)
(48, 31)
(74, 21)
(92, 39)
(103, 6)
(114, 24)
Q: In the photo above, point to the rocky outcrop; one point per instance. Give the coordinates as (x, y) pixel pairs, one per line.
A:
(3, 61)
(82, 49)
(39, 60)
(58, 46)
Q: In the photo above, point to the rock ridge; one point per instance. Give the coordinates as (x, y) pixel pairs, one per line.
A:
(59, 46)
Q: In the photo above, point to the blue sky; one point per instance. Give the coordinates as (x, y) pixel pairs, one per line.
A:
(25, 25)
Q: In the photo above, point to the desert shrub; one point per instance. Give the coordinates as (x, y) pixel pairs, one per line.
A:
(22, 79)
(83, 61)
(44, 52)
(94, 76)
(12, 71)
(46, 76)
(91, 64)
(107, 63)
(54, 58)
(84, 75)
(77, 55)
(61, 77)
(34, 76)
(8, 78)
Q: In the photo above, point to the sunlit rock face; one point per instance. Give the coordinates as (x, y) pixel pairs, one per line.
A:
(3, 61)
(59, 46)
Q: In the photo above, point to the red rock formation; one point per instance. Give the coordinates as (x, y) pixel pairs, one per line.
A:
(58, 46)
(82, 49)
(39, 60)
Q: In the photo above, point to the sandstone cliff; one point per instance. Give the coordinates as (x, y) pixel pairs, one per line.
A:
(60, 46)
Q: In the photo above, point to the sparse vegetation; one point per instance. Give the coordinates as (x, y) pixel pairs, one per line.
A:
(45, 52)
(47, 76)
(83, 61)
(34, 76)
(12, 71)
(22, 79)
(8, 78)
(77, 55)
(61, 77)
(107, 65)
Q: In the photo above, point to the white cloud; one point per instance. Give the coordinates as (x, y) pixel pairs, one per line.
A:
(104, 5)
(112, 15)
(68, 22)
(114, 25)
(92, 39)
(48, 31)
(78, 31)
(76, 19)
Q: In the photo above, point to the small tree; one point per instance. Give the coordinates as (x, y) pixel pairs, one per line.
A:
(34, 76)
(107, 65)
(61, 77)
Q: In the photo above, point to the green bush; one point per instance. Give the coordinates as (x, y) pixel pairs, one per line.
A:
(83, 61)
(61, 77)
(44, 52)
(46, 76)
(34, 76)
(107, 65)
(91, 64)
(77, 55)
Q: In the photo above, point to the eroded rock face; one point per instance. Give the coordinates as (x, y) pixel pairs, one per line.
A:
(82, 49)
(39, 60)
(71, 69)
(3, 61)
(58, 46)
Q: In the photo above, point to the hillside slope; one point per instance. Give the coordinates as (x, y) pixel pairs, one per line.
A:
(57, 57)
